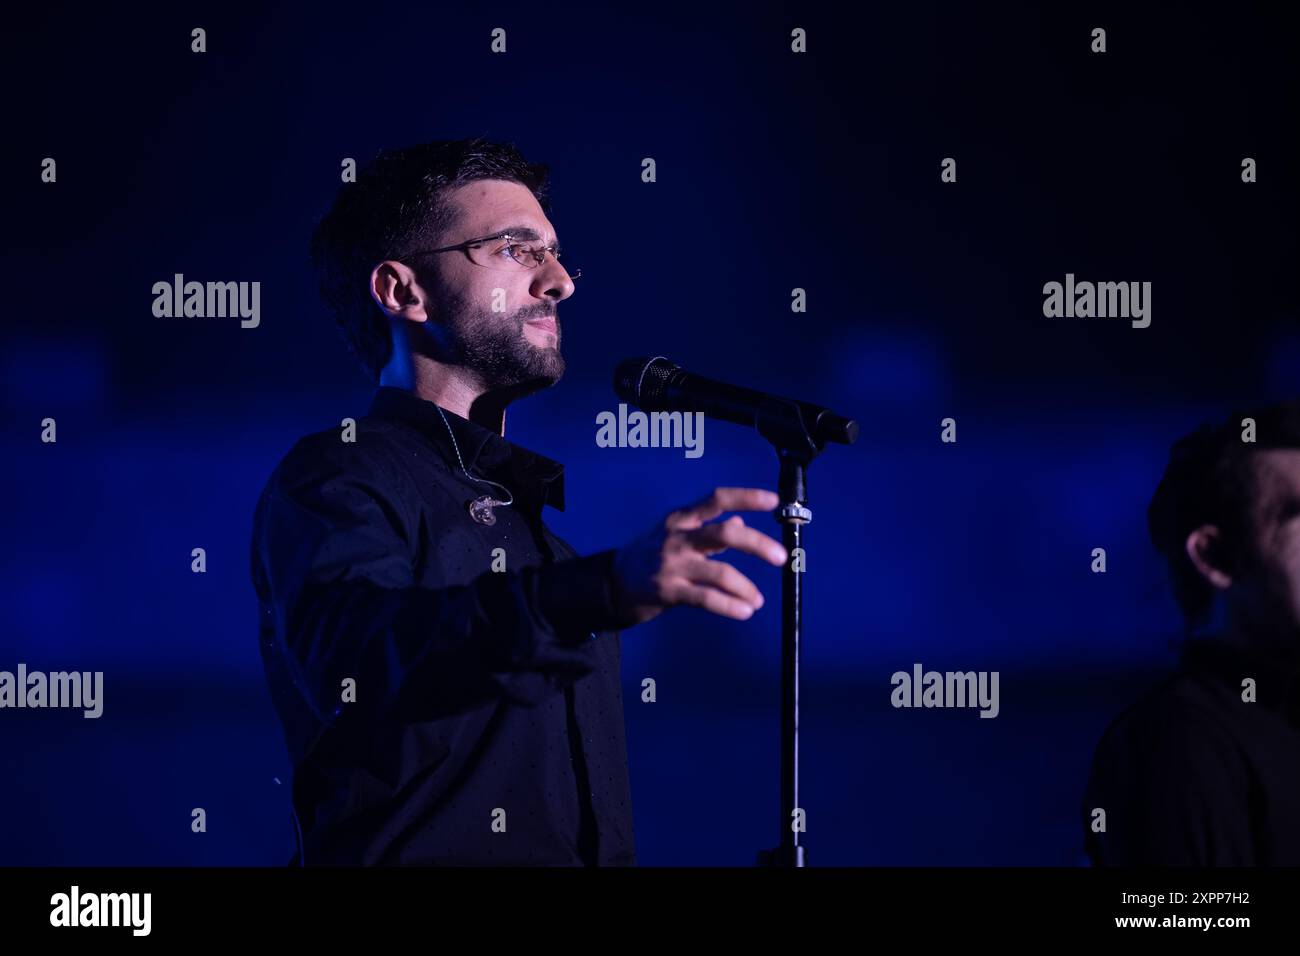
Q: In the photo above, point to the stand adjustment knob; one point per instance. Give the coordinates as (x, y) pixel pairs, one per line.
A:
(795, 512)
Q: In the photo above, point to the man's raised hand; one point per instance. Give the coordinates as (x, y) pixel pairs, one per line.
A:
(670, 565)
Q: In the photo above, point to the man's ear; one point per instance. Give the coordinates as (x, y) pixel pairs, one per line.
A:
(395, 289)
(1208, 553)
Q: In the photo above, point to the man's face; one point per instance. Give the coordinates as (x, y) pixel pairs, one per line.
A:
(499, 322)
(1272, 583)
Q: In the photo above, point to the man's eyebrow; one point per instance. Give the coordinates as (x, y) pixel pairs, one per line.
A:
(522, 232)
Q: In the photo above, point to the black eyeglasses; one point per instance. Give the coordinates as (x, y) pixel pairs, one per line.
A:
(514, 254)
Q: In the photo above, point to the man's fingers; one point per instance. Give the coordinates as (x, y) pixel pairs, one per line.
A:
(723, 499)
(712, 538)
(716, 586)
(715, 601)
(725, 578)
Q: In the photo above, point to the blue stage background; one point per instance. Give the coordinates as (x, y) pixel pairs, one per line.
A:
(775, 171)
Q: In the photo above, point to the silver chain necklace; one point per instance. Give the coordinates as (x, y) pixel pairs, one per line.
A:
(480, 509)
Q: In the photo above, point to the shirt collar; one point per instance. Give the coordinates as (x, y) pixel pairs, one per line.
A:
(480, 448)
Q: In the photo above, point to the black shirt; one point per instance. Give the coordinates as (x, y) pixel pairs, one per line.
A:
(487, 719)
(1195, 775)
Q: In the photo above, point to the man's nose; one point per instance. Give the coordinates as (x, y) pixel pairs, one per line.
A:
(552, 281)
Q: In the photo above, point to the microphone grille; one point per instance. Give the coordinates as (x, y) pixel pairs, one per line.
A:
(642, 380)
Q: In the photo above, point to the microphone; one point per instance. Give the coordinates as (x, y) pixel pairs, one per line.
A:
(658, 385)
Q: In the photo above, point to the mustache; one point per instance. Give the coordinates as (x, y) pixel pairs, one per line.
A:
(540, 312)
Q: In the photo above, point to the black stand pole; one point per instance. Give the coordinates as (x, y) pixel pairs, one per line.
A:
(782, 424)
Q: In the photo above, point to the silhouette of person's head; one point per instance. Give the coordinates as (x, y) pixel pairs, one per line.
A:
(1226, 518)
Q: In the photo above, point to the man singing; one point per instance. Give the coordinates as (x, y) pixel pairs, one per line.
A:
(446, 669)
(1206, 770)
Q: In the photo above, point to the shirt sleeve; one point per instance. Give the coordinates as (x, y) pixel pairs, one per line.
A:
(1176, 793)
(332, 562)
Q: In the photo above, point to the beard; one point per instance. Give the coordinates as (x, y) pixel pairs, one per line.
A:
(495, 347)
(1267, 598)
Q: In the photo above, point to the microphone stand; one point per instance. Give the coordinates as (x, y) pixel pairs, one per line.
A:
(782, 424)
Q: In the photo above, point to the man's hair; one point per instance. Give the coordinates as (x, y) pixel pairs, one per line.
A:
(396, 206)
(1211, 479)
